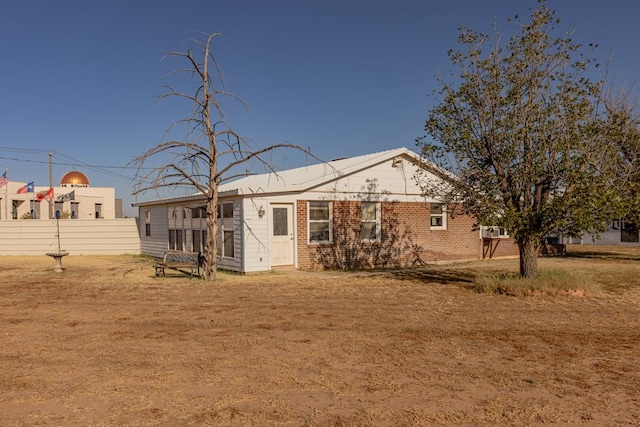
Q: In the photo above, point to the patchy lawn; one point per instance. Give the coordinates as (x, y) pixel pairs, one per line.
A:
(104, 343)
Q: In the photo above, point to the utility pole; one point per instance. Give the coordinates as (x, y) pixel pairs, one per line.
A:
(51, 185)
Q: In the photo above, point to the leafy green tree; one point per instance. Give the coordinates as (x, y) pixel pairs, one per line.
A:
(622, 123)
(522, 129)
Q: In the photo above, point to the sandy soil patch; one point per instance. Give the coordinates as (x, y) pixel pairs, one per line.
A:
(104, 343)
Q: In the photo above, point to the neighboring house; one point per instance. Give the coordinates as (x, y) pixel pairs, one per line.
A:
(74, 198)
(359, 212)
(620, 232)
(89, 219)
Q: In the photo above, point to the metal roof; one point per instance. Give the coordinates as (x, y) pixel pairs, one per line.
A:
(299, 179)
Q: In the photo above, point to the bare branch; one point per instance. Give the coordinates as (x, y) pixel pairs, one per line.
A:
(211, 149)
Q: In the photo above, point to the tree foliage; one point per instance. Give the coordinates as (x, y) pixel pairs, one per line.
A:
(523, 129)
(623, 156)
(212, 152)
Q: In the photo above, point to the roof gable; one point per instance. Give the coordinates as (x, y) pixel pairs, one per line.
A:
(308, 177)
(305, 178)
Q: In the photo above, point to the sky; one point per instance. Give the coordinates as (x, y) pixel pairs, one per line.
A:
(82, 78)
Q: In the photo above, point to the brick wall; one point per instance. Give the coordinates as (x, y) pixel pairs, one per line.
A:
(406, 238)
(498, 247)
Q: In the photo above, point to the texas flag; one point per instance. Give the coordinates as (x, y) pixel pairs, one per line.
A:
(26, 189)
(45, 194)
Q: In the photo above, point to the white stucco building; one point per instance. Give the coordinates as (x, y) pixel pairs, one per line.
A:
(73, 198)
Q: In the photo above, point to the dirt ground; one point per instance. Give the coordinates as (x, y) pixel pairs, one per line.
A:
(104, 343)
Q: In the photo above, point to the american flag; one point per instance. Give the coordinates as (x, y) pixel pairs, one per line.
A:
(3, 179)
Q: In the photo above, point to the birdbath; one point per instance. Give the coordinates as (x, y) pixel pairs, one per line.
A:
(57, 256)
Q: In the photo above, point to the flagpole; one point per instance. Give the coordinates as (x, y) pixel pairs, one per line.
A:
(6, 197)
(50, 185)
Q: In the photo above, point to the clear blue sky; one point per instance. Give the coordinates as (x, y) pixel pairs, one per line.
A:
(81, 78)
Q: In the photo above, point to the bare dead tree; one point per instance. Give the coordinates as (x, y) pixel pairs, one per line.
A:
(211, 152)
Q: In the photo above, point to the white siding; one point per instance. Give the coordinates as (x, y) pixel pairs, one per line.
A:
(79, 237)
(255, 232)
(382, 182)
(609, 237)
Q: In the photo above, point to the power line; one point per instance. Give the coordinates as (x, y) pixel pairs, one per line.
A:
(76, 163)
(104, 169)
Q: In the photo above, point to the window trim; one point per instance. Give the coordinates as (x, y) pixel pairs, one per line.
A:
(329, 222)
(147, 222)
(376, 220)
(442, 215)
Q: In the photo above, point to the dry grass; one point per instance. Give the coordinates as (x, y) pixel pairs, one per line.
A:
(104, 343)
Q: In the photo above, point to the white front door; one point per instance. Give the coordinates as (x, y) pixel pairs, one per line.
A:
(281, 233)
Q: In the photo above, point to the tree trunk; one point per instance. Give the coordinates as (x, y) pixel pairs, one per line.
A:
(528, 258)
(211, 243)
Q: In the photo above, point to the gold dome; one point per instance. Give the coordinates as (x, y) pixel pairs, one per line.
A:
(74, 179)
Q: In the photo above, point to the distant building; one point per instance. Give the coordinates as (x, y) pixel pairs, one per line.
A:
(74, 198)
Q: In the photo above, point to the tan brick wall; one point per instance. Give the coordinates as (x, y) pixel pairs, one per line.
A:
(406, 238)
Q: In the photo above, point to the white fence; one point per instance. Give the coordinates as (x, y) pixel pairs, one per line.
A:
(78, 236)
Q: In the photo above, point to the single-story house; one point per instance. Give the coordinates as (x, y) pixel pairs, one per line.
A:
(619, 233)
(359, 212)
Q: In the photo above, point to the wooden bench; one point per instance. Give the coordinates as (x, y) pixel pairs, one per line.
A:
(177, 260)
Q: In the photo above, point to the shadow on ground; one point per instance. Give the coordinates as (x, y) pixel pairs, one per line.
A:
(604, 255)
(430, 275)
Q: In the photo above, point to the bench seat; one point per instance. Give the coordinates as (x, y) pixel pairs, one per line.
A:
(177, 260)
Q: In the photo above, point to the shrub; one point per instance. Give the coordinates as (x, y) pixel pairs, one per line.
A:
(548, 282)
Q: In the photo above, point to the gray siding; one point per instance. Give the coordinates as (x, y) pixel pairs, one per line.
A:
(156, 244)
(235, 263)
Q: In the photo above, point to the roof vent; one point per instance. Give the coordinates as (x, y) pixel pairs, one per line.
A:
(397, 162)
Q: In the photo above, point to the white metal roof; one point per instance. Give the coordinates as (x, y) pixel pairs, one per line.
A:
(307, 177)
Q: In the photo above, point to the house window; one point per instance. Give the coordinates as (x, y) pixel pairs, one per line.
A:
(196, 241)
(74, 210)
(199, 212)
(147, 222)
(175, 240)
(59, 210)
(438, 216)
(280, 222)
(229, 244)
(14, 208)
(319, 222)
(628, 232)
(370, 222)
(226, 231)
(179, 245)
(35, 209)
